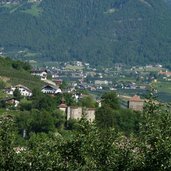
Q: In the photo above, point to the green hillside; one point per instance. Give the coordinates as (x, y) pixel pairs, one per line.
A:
(95, 31)
(16, 72)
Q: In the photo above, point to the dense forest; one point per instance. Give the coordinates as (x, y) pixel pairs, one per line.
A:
(99, 32)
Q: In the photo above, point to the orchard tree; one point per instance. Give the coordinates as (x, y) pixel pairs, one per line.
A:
(104, 117)
(111, 100)
(156, 136)
(7, 143)
(87, 101)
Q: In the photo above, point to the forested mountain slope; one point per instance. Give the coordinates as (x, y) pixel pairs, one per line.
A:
(95, 31)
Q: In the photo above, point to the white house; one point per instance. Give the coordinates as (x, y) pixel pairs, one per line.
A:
(40, 73)
(101, 82)
(24, 91)
(51, 89)
(9, 91)
(11, 101)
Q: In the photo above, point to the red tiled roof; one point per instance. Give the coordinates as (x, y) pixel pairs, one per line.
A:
(165, 73)
(62, 105)
(135, 99)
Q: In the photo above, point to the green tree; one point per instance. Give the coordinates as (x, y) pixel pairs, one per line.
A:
(44, 102)
(25, 105)
(41, 122)
(155, 135)
(26, 66)
(110, 99)
(69, 100)
(37, 121)
(105, 117)
(87, 101)
(64, 85)
(7, 143)
(2, 84)
(3, 104)
(16, 65)
(127, 121)
(17, 94)
(59, 119)
(24, 123)
(36, 94)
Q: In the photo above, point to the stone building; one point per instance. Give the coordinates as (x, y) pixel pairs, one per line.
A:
(63, 106)
(79, 112)
(90, 114)
(74, 113)
(136, 103)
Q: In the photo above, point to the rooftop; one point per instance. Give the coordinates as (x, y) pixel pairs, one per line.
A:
(136, 99)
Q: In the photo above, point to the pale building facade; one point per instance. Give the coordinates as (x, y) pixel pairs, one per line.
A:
(79, 112)
(136, 103)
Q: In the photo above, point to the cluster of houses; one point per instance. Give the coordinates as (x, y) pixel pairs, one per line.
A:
(165, 75)
(95, 80)
(72, 112)
(120, 77)
(134, 103)
(26, 92)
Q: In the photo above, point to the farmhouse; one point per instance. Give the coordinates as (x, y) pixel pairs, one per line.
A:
(51, 89)
(10, 101)
(40, 73)
(24, 91)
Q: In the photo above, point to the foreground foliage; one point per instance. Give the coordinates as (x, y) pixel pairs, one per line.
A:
(92, 148)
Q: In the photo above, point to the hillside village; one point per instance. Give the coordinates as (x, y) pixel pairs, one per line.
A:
(80, 80)
(82, 84)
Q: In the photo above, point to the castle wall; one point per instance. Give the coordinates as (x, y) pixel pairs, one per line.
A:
(78, 113)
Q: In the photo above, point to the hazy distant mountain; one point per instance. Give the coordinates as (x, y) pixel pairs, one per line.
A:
(96, 31)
